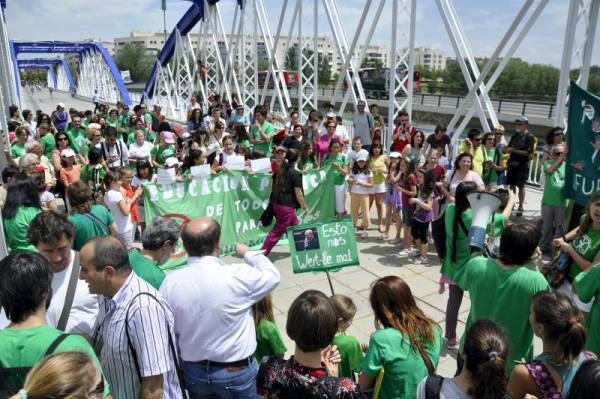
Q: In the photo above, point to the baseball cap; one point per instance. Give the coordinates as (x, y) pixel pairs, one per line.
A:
(395, 154)
(62, 105)
(331, 115)
(522, 118)
(362, 155)
(67, 152)
(171, 161)
(169, 137)
(280, 148)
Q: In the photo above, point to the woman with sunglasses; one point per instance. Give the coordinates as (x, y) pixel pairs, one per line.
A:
(554, 137)
(62, 143)
(322, 145)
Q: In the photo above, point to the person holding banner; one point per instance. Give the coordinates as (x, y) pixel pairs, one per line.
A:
(286, 196)
(338, 162)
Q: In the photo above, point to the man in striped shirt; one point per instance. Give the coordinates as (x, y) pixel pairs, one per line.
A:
(133, 333)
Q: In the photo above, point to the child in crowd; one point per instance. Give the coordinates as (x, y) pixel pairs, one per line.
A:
(268, 337)
(338, 162)
(70, 170)
(47, 201)
(348, 346)
(422, 216)
(360, 182)
(221, 158)
(393, 197)
(408, 188)
(93, 174)
(128, 191)
(143, 174)
(120, 206)
(353, 152)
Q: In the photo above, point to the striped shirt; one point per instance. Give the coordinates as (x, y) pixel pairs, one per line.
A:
(149, 321)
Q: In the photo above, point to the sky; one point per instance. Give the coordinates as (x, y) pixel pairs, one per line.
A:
(484, 22)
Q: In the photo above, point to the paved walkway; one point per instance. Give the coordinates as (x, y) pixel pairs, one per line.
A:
(377, 259)
(42, 100)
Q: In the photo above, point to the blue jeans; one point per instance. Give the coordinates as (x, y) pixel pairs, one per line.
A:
(209, 382)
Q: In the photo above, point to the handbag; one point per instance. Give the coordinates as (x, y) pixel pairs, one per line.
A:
(267, 216)
(558, 270)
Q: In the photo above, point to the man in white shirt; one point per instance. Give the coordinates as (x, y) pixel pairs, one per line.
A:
(114, 151)
(212, 304)
(364, 124)
(72, 308)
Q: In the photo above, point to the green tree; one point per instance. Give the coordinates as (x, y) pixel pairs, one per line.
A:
(324, 70)
(135, 58)
(370, 62)
(291, 59)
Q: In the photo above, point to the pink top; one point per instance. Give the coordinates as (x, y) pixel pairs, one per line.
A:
(322, 147)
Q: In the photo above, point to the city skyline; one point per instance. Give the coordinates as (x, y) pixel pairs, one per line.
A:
(484, 22)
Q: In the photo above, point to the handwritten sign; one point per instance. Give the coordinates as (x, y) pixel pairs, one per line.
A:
(323, 246)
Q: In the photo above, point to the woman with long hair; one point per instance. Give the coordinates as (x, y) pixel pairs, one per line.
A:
(286, 196)
(484, 373)
(458, 219)
(558, 322)
(337, 160)
(22, 205)
(582, 245)
(268, 336)
(414, 150)
(554, 137)
(64, 375)
(407, 342)
(307, 159)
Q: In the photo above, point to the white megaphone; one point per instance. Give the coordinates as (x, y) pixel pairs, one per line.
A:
(483, 205)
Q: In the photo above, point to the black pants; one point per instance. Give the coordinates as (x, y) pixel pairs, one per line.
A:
(438, 233)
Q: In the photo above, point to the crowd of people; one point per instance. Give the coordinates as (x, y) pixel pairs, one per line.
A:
(87, 312)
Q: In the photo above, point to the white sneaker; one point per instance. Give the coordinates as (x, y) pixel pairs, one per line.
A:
(421, 261)
(364, 235)
(404, 252)
(414, 253)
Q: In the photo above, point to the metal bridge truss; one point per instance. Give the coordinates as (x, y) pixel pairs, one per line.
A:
(582, 22)
(9, 93)
(96, 72)
(59, 74)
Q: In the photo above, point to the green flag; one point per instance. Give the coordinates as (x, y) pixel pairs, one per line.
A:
(583, 161)
(236, 200)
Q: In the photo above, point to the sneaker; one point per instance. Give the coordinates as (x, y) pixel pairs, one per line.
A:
(364, 235)
(451, 343)
(414, 253)
(395, 241)
(422, 260)
(519, 213)
(405, 252)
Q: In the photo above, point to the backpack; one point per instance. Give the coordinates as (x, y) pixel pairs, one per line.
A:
(12, 379)
(433, 386)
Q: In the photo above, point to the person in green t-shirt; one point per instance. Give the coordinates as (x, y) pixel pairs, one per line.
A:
(25, 290)
(113, 118)
(348, 346)
(261, 134)
(89, 220)
(76, 134)
(582, 243)
(502, 289)
(159, 241)
(492, 165)
(554, 203)
(46, 140)
(407, 345)
(268, 337)
(22, 204)
(18, 149)
(587, 286)
(338, 162)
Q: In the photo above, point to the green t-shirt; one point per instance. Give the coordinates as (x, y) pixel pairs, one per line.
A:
(268, 129)
(351, 354)
(48, 144)
(15, 229)
(497, 226)
(146, 269)
(112, 122)
(157, 153)
(587, 246)
(26, 347)
(503, 296)
(340, 159)
(404, 366)
(587, 286)
(87, 228)
(17, 150)
(463, 253)
(77, 139)
(554, 184)
(268, 340)
(491, 175)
